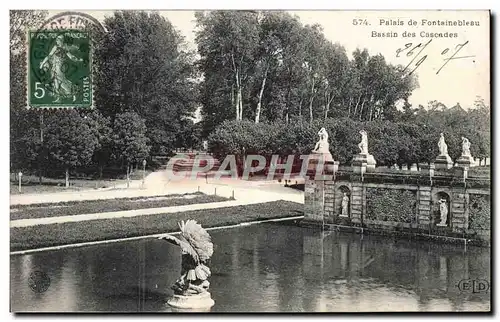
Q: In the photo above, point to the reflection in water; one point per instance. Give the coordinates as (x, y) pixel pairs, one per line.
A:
(268, 267)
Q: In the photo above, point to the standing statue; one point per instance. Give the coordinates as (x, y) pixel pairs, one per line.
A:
(56, 63)
(443, 211)
(321, 160)
(363, 160)
(363, 145)
(465, 147)
(443, 147)
(322, 146)
(191, 289)
(345, 205)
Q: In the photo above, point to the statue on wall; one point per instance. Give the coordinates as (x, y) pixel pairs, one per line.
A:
(322, 146)
(363, 145)
(443, 160)
(321, 160)
(191, 289)
(443, 147)
(465, 147)
(345, 205)
(363, 160)
(443, 211)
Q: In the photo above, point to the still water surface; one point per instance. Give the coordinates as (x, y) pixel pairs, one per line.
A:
(261, 268)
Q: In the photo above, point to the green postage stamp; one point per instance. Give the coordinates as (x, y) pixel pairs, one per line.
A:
(59, 69)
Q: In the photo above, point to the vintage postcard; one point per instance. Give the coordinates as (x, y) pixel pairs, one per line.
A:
(250, 161)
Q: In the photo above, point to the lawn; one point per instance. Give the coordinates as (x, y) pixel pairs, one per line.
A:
(30, 183)
(93, 230)
(71, 208)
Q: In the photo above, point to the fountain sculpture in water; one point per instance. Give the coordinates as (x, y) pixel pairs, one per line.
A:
(191, 289)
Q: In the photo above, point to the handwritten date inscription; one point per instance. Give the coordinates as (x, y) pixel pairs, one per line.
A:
(419, 54)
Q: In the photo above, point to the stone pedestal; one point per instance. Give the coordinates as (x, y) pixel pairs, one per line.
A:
(465, 161)
(366, 161)
(315, 159)
(443, 162)
(461, 171)
(336, 166)
(201, 301)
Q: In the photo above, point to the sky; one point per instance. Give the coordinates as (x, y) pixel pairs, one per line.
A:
(459, 81)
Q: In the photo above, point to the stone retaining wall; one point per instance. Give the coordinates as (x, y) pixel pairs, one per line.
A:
(417, 197)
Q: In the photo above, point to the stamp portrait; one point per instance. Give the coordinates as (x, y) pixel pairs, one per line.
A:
(59, 69)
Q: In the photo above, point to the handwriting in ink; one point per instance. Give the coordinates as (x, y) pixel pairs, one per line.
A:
(457, 49)
(421, 56)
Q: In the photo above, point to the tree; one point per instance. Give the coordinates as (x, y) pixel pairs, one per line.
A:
(24, 124)
(70, 140)
(227, 42)
(190, 135)
(334, 75)
(480, 118)
(103, 151)
(144, 69)
(130, 143)
(314, 64)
